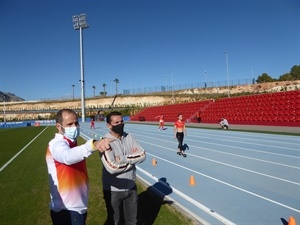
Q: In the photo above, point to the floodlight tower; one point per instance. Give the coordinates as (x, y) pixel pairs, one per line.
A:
(73, 85)
(79, 23)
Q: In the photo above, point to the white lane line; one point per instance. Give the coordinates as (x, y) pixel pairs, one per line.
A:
(249, 137)
(238, 188)
(254, 150)
(249, 140)
(230, 185)
(6, 164)
(237, 167)
(189, 199)
(250, 171)
(246, 157)
(230, 146)
(171, 199)
(241, 156)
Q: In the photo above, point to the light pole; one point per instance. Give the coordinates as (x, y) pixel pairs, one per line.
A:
(173, 100)
(253, 80)
(227, 71)
(73, 85)
(26, 94)
(166, 83)
(79, 23)
(4, 115)
(205, 84)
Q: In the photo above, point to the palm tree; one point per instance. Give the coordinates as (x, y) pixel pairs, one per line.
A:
(94, 90)
(104, 85)
(117, 81)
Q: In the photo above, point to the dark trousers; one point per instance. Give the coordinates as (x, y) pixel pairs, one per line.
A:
(224, 126)
(121, 207)
(67, 217)
(180, 137)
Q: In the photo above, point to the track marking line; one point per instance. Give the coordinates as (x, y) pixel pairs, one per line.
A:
(189, 199)
(230, 185)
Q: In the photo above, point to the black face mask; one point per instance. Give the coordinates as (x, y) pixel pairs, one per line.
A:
(119, 129)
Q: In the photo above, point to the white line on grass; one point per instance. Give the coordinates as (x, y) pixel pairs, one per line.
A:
(6, 164)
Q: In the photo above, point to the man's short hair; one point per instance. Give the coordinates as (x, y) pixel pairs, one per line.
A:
(113, 113)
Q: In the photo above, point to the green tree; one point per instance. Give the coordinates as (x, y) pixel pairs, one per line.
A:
(104, 85)
(94, 87)
(264, 78)
(102, 93)
(286, 77)
(117, 81)
(295, 72)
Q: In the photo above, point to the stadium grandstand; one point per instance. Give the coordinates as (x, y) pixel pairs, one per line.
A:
(279, 108)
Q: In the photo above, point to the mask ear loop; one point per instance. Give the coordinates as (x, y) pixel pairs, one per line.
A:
(62, 129)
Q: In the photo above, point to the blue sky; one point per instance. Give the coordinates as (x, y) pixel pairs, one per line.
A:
(142, 43)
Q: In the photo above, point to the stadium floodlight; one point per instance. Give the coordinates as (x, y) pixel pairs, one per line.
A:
(79, 23)
(73, 85)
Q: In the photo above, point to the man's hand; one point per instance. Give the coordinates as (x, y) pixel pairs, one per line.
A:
(103, 144)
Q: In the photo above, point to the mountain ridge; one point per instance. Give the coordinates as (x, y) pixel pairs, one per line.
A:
(9, 97)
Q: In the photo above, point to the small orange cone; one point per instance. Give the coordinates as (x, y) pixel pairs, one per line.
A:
(292, 221)
(154, 162)
(192, 181)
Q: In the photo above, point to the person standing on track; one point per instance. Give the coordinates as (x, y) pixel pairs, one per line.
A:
(161, 122)
(179, 133)
(92, 123)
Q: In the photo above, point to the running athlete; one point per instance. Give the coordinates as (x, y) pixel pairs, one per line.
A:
(179, 132)
(161, 122)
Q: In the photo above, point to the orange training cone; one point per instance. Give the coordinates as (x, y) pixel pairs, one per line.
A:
(192, 181)
(292, 221)
(154, 162)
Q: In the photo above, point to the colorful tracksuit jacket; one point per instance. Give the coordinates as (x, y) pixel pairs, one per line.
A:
(68, 174)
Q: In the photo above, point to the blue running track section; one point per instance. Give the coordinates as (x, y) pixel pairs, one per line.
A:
(240, 177)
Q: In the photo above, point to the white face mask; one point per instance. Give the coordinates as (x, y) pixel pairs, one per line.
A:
(72, 132)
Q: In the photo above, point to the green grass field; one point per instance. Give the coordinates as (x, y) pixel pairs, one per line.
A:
(24, 184)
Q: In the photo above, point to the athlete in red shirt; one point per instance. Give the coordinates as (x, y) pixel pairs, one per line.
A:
(92, 123)
(161, 122)
(179, 132)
